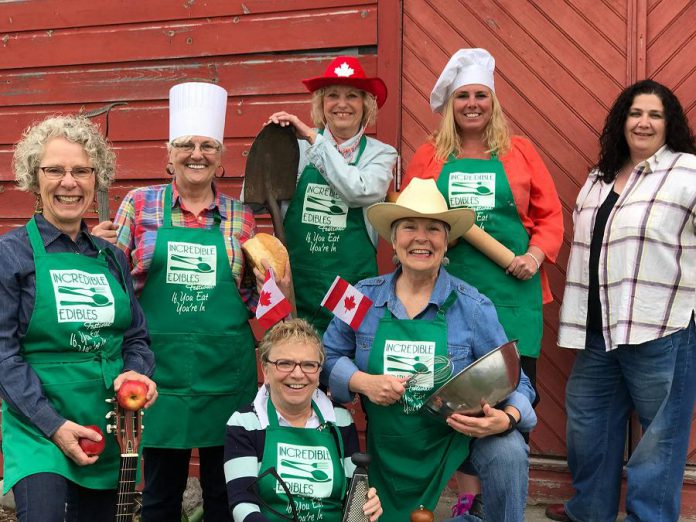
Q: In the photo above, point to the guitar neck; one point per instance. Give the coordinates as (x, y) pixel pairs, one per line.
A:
(126, 487)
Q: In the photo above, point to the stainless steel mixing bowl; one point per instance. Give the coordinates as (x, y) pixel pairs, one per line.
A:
(490, 379)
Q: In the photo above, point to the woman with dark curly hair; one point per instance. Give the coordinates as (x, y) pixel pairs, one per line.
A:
(629, 310)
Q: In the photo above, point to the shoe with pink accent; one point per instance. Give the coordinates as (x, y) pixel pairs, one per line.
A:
(464, 502)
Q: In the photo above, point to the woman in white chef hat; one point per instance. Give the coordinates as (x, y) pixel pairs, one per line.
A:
(477, 164)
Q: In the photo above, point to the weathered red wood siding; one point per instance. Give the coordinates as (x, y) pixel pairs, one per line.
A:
(60, 58)
(559, 67)
(55, 58)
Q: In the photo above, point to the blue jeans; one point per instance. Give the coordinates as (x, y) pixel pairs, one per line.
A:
(656, 379)
(166, 471)
(48, 497)
(502, 465)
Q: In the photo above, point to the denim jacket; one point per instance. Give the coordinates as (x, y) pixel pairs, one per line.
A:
(473, 331)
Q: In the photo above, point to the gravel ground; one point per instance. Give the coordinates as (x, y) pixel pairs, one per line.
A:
(7, 515)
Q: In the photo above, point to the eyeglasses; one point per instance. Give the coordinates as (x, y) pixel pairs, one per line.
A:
(287, 366)
(189, 146)
(60, 172)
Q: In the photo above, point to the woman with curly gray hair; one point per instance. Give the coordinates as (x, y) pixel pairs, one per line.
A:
(71, 331)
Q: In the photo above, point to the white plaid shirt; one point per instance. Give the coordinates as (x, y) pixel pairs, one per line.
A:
(647, 264)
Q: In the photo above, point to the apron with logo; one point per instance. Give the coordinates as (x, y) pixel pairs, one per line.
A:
(413, 453)
(73, 344)
(204, 348)
(483, 186)
(325, 238)
(310, 462)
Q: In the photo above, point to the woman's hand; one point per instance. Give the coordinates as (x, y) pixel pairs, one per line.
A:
(380, 389)
(494, 421)
(302, 131)
(373, 507)
(525, 266)
(285, 284)
(131, 375)
(66, 438)
(106, 230)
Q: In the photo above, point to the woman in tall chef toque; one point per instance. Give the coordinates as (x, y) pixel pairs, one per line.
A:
(184, 243)
(341, 172)
(71, 331)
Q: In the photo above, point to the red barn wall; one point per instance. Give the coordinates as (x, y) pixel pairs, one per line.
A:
(559, 67)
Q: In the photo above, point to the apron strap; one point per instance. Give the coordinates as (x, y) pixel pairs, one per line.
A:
(35, 237)
(451, 298)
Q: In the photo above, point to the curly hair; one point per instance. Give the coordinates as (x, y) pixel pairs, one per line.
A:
(369, 108)
(614, 150)
(29, 151)
(447, 140)
(293, 331)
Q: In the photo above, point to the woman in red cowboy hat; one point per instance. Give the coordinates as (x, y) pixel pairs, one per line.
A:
(341, 172)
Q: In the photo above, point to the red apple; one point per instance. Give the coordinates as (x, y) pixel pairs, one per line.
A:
(132, 395)
(90, 447)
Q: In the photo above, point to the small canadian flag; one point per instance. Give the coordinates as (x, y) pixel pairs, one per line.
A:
(346, 303)
(273, 306)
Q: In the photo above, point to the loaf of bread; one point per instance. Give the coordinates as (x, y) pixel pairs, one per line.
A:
(266, 246)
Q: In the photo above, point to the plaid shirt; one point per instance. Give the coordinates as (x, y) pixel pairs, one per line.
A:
(647, 264)
(141, 214)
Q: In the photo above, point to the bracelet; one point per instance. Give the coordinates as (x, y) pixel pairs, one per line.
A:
(512, 427)
(534, 258)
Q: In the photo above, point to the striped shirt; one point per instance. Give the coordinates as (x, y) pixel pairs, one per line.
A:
(244, 444)
(647, 264)
(141, 214)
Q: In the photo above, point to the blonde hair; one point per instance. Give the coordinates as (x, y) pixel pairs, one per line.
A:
(369, 108)
(447, 140)
(76, 129)
(293, 331)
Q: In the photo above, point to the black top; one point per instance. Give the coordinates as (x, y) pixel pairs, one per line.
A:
(594, 308)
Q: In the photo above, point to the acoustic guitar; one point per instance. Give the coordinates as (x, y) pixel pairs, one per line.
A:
(127, 426)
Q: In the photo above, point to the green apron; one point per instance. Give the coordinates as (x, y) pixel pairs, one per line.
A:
(73, 344)
(483, 186)
(325, 238)
(311, 464)
(204, 348)
(413, 454)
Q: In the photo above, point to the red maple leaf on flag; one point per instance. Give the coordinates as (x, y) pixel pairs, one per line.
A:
(265, 298)
(349, 302)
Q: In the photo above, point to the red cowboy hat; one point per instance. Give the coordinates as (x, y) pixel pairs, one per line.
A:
(346, 70)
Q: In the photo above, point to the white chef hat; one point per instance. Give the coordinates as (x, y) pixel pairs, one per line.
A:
(197, 109)
(467, 66)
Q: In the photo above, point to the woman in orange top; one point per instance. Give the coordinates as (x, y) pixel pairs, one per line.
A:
(477, 164)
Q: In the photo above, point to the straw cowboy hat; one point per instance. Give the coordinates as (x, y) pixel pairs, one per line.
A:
(346, 70)
(421, 199)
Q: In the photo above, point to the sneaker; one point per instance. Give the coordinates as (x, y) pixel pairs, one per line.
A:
(463, 504)
(476, 508)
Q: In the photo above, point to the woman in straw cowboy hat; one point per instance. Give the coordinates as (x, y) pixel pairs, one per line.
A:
(405, 334)
(341, 172)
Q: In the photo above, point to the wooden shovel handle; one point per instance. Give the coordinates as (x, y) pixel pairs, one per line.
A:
(489, 246)
(279, 231)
